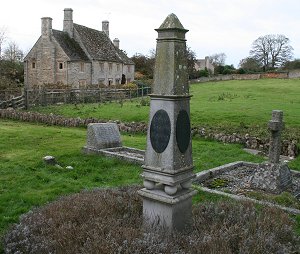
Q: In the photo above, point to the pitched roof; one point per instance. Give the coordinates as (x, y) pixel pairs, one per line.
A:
(70, 46)
(99, 46)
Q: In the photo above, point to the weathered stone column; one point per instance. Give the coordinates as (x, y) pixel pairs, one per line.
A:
(168, 168)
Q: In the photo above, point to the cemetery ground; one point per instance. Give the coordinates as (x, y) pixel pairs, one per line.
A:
(234, 106)
(26, 182)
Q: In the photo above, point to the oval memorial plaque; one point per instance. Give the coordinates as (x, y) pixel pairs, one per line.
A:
(183, 131)
(160, 131)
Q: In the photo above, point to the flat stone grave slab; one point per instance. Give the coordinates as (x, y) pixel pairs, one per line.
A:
(124, 153)
(234, 180)
(105, 139)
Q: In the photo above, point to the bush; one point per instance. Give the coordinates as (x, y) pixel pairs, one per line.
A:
(130, 86)
(203, 73)
(109, 221)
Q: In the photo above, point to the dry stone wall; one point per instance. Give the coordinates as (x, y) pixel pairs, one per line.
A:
(283, 75)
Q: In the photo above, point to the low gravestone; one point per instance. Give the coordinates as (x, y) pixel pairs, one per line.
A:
(105, 139)
(101, 136)
(273, 176)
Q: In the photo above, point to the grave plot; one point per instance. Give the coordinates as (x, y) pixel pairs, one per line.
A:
(105, 139)
(271, 182)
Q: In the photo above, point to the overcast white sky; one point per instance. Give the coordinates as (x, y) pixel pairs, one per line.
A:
(215, 26)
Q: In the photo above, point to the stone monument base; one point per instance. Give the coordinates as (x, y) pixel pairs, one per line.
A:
(272, 177)
(163, 210)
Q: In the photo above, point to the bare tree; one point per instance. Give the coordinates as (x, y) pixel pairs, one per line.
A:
(271, 50)
(218, 59)
(13, 53)
(2, 38)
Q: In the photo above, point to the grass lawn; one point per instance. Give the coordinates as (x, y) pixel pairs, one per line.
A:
(233, 106)
(26, 182)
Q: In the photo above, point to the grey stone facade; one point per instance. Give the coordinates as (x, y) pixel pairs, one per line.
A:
(78, 56)
(201, 64)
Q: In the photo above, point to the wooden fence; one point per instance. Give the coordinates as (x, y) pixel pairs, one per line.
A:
(8, 94)
(15, 102)
(44, 97)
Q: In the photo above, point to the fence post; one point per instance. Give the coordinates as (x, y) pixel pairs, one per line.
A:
(26, 104)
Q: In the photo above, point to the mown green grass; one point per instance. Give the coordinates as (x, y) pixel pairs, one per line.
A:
(26, 182)
(231, 106)
(246, 102)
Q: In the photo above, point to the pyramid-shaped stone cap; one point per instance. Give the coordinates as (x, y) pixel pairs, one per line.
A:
(170, 23)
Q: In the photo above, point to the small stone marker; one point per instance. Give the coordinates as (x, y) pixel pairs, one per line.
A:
(48, 159)
(274, 176)
(168, 165)
(102, 136)
(276, 125)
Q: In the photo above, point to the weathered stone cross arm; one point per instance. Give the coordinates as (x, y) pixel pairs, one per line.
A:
(276, 123)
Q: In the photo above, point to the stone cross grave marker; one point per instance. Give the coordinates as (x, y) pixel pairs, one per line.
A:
(276, 125)
(101, 136)
(273, 176)
(168, 165)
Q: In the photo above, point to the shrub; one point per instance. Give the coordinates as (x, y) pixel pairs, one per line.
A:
(109, 221)
(203, 73)
(130, 86)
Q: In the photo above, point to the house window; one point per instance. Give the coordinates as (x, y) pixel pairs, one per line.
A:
(118, 67)
(33, 65)
(129, 69)
(60, 65)
(81, 67)
(110, 82)
(101, 67)
(117, 81)
(110, 67)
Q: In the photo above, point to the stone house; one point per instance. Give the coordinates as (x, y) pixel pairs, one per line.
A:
(78, 56)
(201, 64)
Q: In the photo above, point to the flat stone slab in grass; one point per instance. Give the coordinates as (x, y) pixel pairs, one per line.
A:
(123, 153)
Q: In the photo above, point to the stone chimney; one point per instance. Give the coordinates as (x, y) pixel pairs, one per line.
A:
(46, 27)
(116, 42)
(105, 27)
(68, 21)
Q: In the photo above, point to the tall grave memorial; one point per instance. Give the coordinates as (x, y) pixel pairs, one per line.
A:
(168, 165)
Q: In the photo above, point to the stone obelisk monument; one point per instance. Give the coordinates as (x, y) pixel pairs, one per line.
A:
(168, 165)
